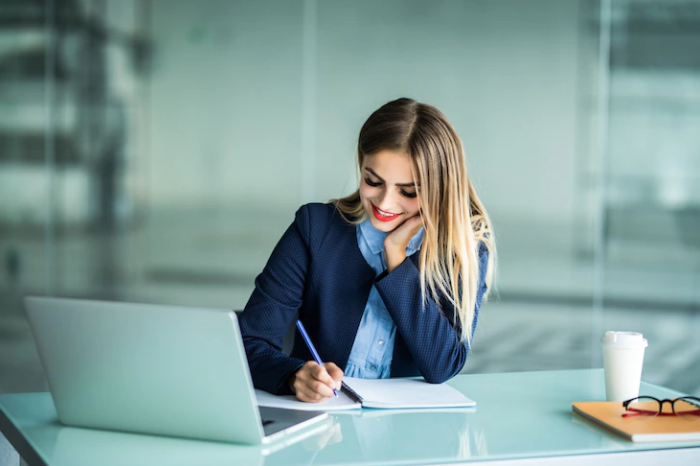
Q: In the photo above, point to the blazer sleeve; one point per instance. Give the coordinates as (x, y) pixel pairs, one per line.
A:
(429, 334)
(269, 313)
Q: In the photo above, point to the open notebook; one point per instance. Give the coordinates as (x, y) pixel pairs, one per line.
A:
(376, 393)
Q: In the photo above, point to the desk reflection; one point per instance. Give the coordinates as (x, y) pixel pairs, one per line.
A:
(75, 446)
(83, 447)
(371, 436)
(374, 435)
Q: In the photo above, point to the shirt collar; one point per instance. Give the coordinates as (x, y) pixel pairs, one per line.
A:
(375, 238)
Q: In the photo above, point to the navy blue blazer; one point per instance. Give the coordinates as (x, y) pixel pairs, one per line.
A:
(318, 270)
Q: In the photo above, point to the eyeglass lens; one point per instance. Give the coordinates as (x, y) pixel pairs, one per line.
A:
(687, 408)
(645, 405)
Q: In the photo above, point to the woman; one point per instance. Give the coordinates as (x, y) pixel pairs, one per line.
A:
(387, 281)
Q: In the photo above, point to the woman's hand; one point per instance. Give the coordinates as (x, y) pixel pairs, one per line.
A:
(313, 383)
(396, 242)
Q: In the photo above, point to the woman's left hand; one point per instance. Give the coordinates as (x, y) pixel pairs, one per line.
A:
(396, 242)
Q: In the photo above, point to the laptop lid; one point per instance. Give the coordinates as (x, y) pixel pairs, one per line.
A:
(159, 369)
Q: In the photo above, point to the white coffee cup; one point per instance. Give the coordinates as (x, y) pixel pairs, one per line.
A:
(623, 358)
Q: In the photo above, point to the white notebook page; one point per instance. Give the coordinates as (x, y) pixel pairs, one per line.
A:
(406, 394)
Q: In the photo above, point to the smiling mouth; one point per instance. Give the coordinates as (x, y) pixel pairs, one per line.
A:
(382, 215)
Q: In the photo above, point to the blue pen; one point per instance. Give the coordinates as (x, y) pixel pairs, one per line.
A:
(314, 353)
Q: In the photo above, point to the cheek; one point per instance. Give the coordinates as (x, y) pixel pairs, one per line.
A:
(366, 192)
(412, 205)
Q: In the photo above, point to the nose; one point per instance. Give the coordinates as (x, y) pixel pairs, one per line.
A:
(386, 202)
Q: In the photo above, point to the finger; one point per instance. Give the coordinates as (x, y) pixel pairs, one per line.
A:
(321, 388)
(311, 395)
(303, 377)
(311, 370)
(309, 385)
(335, 372)
(310, 366)
(321, 374)
(412, 226)
(415, 222)
(308, 397)
(407, 229)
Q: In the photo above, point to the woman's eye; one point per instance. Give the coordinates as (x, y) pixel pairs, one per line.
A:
(375, 184)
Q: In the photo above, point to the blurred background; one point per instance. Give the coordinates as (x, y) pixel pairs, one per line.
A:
(156, 150)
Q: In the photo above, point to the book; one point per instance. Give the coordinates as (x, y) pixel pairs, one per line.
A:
(357, 393)
(639, 428)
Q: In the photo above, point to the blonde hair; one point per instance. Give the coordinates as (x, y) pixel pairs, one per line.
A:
(455, 220)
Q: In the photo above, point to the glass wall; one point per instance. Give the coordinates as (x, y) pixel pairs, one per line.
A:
(155, 151)
(652, 184)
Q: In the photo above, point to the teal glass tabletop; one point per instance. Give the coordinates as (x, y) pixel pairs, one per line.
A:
(518, 415)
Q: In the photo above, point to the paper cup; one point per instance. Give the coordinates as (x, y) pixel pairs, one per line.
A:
(623, 358)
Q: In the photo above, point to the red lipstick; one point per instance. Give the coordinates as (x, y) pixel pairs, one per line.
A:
(383, 218)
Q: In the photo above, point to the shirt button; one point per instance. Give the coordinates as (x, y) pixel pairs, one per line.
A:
(380, 342)
(373, 368)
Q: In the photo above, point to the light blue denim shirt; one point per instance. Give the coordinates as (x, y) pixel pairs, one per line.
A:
(373, 349)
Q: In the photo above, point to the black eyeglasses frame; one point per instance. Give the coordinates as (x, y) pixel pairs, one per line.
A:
(636, 412)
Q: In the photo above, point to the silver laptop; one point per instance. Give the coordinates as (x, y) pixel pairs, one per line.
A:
(155, 369)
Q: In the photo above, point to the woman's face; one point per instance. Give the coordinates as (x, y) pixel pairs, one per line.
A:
(387, 189)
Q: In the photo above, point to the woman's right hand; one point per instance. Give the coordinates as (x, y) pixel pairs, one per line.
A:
(314, 383)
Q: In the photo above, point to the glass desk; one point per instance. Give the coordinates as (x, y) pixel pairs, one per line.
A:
(521, 417)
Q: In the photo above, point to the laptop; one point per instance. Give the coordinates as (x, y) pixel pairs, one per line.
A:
(155, 369)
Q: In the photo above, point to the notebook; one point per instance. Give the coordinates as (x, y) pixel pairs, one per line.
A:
(398, 393)
(639, 428)
(155, 369)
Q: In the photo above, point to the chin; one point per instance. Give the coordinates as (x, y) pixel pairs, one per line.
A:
(387, 228)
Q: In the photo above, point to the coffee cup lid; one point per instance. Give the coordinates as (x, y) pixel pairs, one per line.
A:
(624, 340)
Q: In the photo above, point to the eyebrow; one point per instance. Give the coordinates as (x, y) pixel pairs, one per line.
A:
(403, 185)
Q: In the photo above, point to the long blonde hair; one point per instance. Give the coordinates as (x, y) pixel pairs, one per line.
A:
(455, 220)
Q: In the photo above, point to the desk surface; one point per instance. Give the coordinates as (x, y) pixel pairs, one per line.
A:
(519, 415)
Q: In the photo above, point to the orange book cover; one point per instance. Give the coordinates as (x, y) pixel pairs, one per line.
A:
(640, 428)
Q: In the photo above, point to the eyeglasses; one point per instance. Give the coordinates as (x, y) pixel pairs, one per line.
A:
(686, 406)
